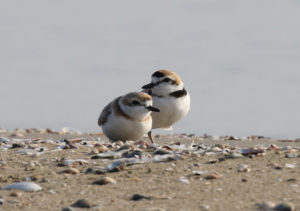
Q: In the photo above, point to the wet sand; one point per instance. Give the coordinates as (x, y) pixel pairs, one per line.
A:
(171, 185)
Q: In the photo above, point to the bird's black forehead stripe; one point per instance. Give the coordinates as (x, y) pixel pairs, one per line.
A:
(158, 74)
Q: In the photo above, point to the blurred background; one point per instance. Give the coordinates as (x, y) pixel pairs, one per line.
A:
(62, 61)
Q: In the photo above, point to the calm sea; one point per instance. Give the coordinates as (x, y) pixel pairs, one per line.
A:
(62, 61)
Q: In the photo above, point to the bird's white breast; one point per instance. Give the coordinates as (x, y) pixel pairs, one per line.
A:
(120, 128)
(171, 110)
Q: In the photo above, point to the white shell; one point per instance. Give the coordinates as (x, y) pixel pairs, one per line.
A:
(25, 186)
(4, 140)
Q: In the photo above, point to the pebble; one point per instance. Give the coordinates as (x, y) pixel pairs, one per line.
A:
(117, 165)
(134, 154)
(243, 168)
(138, 197)
(74, 162)
(25, 186)
(104, 181)
(204, 207)
(234, 155)
(67, 209)
(81, 203)
(15, 194)
(95, 171)
(4, 140)
(284, 207)
(70, 171)
(17, 134)
(212, 161)
(290, 166)
(169, 169)
(266, 205)
(198, 173)
(212, 176)
(184, 180)
(153, 209)
(275, 166)
(291, 155)
(135, 179)
(162, 152)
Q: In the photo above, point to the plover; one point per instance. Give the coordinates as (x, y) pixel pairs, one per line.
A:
(127, 117)
(169, 96)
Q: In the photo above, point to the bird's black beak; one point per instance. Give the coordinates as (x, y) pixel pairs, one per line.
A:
(148, 86)
(151, 108)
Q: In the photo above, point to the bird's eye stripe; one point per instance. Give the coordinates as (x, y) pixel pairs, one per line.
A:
(135, 102)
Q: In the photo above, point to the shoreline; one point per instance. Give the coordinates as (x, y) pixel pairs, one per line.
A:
(181, 173)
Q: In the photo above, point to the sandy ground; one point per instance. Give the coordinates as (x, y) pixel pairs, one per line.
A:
(171, 185)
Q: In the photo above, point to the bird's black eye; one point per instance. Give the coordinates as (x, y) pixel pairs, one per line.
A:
(166, 79)
(135, 102)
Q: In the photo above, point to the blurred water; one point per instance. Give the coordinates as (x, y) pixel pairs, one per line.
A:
(62, 61)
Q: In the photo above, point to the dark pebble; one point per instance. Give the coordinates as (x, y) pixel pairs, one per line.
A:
(138, 197)
(161, 152)
(15, 145)
(133, 154)
(67, 209)
(89, 171)
(81, 203)
(284, 207)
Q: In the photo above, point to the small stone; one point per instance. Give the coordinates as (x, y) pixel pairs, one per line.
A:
(17, 134)
(275, 166)
(290, 166)
(212, 161)
(70, 171)
(162, 152)
(234, 155)
(291, 180)
(17, 145)
(198, 173)
(117, 165)
(212, 176)
(243, 168)
(284, 207)
(169, 169)
(81, 203)
(291, 155)
(227, 138)
(184, 180)
(244, 180)
(266, 205)
(204, 207)
(4, 140)
(15, 194)
(52, 191)
(154, 209)
(67, 209)
(104, 181)
(138, 197)
(135, 179)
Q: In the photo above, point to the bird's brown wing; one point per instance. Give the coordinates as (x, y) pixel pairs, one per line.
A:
(106, 112)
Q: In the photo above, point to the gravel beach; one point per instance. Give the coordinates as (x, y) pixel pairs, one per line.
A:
(68, 170)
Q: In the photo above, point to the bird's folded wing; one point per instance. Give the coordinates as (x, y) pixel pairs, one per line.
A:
(106, 112)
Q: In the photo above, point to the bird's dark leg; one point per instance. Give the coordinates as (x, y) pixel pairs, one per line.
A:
(150, 137)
